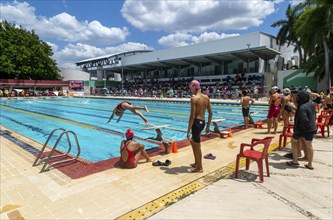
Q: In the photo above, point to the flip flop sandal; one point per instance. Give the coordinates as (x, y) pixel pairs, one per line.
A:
(292, 164)
(158, 163)
(289, 155)
(210, 156)
(167, 163)
(307, 166)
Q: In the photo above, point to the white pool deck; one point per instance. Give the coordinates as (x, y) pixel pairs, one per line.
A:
(289, 193)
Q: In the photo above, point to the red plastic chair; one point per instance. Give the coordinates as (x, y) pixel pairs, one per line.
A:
(322, 122)
(252, 154)
(285, 134)
(328, 112)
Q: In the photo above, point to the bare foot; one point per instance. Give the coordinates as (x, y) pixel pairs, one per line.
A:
(147, 123)
(193, 165)
(196, 170)
(309, 166)
(146, 109)
(303, 159)
(148, 160)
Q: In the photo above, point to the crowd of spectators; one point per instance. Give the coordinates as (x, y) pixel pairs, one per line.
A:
(29, 92)
(228, 88)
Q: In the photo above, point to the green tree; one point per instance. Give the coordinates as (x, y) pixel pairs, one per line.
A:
(24, 56)
(287, 34)
(314, 27)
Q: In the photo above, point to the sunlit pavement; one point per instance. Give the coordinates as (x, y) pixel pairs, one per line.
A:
(289, 193)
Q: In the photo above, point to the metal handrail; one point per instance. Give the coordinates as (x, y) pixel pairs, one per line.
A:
(47, 159)
(44, 146)
(45, 167)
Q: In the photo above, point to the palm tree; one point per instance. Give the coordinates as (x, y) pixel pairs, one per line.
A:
(315, 28)
(287, 33)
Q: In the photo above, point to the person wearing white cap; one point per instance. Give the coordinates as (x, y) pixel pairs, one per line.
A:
(314, 97)
(286, 106)
(274, 110)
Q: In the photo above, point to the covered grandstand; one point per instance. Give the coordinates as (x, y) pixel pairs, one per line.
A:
(254, 54)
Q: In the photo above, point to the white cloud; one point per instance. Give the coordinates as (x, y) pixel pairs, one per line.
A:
(175, 40)
(62, 26)
(183, 39)
(295, 2)
(53, 46)
(196, 16)
(71, 53)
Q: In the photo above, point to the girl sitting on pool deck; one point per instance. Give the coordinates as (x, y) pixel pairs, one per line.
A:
(131, 151)
(121, 107)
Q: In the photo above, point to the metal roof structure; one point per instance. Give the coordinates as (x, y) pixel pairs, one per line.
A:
(247, 55)
(108, 59)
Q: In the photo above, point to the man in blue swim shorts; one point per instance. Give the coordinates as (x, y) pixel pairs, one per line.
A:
(304, 128)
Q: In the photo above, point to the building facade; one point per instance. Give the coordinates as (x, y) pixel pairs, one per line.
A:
(252, 53)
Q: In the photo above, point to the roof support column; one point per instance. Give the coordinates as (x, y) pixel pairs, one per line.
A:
(122, 80)
(200, 69)
(222, 67)
(99, 73)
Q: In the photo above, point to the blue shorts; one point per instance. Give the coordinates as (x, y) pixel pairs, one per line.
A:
(307, 137)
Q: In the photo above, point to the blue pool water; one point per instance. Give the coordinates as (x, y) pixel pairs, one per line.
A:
(87, 117)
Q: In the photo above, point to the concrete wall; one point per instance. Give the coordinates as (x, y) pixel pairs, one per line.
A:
(73, 74)
(289, 78)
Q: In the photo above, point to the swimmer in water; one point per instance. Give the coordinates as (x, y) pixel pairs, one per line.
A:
(121, 107)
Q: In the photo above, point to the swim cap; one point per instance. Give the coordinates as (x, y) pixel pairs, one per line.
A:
(195, 84)
(275, 88)
(129, 134)
(286, 91)
(308, 90)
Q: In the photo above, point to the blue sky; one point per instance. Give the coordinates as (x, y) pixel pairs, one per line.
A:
(81, 29)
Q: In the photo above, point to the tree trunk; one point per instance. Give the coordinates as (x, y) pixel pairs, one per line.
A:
(328, 70)
(299, 48)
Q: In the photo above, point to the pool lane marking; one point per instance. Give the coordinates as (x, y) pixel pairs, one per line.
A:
(218, 105)
(158, 111)
(75, 104)
(74, 123)
(149, 209)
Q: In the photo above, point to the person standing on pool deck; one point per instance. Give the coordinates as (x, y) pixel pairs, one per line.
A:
(304, 128)
(130, 151)
(274, 110)
(245, 102)
(121, 107)
(199, 104)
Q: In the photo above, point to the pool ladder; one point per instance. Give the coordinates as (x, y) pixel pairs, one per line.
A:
(46, 159)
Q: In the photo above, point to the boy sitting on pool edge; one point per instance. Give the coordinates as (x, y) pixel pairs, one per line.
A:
(130, 151)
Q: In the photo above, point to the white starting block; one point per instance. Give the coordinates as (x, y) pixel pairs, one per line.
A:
(159, 136)
(223, 134)
(216, 127)
(217, 130)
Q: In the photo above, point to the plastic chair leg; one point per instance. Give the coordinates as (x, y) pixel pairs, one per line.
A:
(267, 165)
(328, 130)
(280, 140)
(237, 166)
(260, 171)
(247, 164)
(284, 141)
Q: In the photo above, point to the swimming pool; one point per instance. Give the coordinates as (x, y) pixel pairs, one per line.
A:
(36, 118)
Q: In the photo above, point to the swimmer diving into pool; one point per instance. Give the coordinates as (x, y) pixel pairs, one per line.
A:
(121, 107)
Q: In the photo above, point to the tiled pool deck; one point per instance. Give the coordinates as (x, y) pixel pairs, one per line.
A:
(113, 193)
